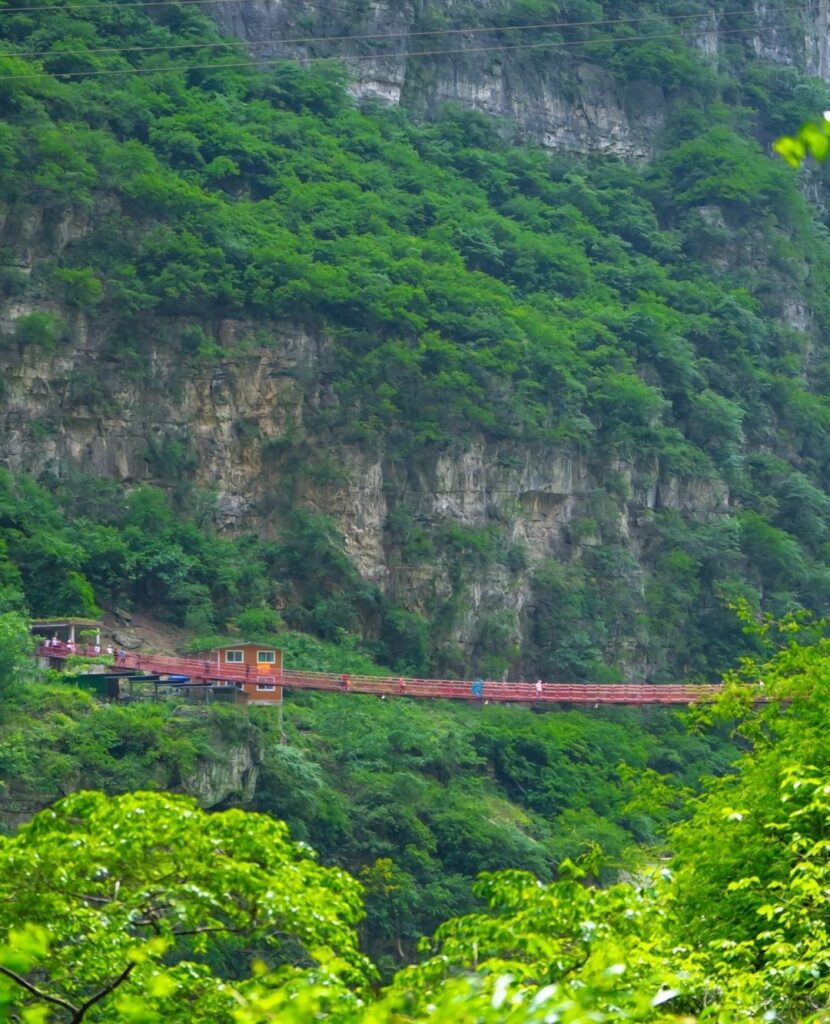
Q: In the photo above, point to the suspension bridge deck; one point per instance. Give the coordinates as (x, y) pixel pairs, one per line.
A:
(207, 671)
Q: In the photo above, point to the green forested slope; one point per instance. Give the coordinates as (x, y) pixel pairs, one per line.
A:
(669, 317)
(144, 908)
(638, 315)
(417, 799)
(414, 798)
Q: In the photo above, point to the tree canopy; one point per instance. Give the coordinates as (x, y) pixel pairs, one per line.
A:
(122, 897)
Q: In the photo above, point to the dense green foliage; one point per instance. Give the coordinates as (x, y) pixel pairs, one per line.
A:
(91, 544)
(417, 799)
(410, 797)
(56, 738)
(471, 289)
(138, 907)
(154, 876)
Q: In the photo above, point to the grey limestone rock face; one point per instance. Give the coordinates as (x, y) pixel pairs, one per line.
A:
(396, 54)
(232, 416)
(231, 776)
(567, 105)
(127, 640)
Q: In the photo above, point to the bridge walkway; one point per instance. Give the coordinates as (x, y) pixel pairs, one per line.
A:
(207, 671)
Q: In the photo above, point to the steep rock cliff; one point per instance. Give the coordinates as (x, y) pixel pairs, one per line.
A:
(595, 435)
(541, 83)
(528, 502)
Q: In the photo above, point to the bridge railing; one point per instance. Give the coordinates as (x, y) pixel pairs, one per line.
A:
(210, 670)
(640, 693)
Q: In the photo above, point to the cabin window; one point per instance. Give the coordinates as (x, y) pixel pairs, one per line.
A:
(234, 657)
(267, 687)
(268, 656)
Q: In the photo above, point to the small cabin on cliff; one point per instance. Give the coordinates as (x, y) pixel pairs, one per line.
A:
(262, 667)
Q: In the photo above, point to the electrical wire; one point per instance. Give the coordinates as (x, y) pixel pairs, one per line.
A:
(42, 8)
(367, 37)
(269, 62)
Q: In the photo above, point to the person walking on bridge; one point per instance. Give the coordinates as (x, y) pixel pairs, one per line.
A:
(402, 686)
(540, 689)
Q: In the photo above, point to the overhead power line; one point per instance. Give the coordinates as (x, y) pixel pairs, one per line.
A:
(356, 38)
(269, 62)
(115, 5)
(49, 8)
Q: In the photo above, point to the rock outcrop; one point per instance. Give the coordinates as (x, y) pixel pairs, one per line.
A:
(407, 53)
(228, 777)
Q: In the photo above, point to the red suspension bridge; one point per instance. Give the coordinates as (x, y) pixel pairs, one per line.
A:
(204, 670)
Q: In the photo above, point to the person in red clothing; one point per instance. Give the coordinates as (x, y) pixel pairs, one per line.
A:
(402, 686)
(346, 681)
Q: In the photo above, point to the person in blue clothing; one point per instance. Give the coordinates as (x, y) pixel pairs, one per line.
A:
(477, 687)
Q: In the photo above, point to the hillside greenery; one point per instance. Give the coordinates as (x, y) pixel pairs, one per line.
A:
(471, 287)
(665, 322)
(223, 918)
(411, 797)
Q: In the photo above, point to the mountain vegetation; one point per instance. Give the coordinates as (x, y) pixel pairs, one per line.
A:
(666, 319)
(664, 322)
(142, 907)
(413, 798)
